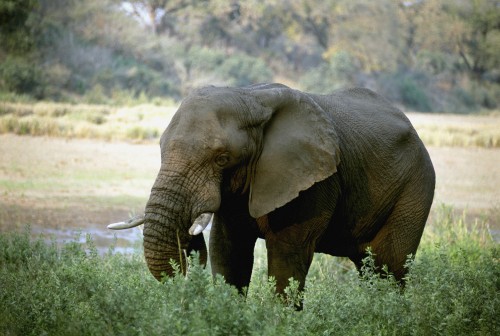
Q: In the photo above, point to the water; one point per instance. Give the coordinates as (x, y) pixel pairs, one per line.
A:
(495, 234)
(123, 241)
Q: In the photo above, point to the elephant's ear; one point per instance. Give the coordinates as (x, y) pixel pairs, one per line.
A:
(300, 147)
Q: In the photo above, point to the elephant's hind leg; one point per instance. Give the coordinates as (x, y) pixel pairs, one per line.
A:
(400, 235)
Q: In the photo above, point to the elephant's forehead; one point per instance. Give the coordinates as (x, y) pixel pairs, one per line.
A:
(198, 129)
(191, 143)
(207, 114)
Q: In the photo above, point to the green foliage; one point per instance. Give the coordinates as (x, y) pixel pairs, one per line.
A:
(241, 70)
(14, 33)
(338, 72)
(452, 288)
(108, 52)
(408, 88)
(205, 66)
(413, 95)
(21, 75)
(137, 78)
(455, 278)
(8, 96)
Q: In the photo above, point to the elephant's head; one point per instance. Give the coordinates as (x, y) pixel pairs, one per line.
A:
(267, 141)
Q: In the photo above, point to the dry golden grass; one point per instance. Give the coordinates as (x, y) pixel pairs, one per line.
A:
(141, 122)
(440, 130)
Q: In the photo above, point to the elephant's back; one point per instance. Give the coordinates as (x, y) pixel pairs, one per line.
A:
(362, 117)
(377, 142)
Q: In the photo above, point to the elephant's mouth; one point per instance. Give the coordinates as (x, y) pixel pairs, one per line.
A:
(199, 224)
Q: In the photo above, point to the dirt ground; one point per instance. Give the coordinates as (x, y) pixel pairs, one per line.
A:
(62, 186)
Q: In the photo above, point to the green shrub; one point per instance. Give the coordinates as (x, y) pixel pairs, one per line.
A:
(205, 66)
(21, 76)
(335, 73)
(407, 88)
(57, 77)
(242, 70)
(486, 94)
(413, 95)
(452, 288)
(434, 62)
(9, 96)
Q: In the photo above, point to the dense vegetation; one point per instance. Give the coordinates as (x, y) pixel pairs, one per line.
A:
(453, 288)
(428, 55)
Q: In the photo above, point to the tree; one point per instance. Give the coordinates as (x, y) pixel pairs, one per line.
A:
(317, 19)
(469, 31)
(15, 36)
(478, 44)
(159, 15)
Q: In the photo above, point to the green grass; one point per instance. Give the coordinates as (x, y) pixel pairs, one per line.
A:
(453, 288)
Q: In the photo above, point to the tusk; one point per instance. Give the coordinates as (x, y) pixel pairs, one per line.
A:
(132, 222)
(200, 223)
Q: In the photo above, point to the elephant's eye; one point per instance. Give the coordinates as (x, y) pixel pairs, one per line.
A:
(222, 160)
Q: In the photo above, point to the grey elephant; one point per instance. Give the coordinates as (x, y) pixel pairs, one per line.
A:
(308, 173)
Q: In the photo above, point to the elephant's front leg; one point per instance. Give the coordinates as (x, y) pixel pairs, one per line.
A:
(292, 232)
(231, 251)
(287, 261)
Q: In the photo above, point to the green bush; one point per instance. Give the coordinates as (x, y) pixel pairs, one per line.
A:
(9, 96)
(242, 70)
(96, 95)
(452, 288)
(140, 78)
(335, 73)
(21, 76)
(434, 62)
(408, 88)
(413, 94)
(203, 66)
(486, 95)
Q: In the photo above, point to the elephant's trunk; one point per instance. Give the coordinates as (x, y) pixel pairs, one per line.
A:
(169, 234)
(159, 253)
(164, 238)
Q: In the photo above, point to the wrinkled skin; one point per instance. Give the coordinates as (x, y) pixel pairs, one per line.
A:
(332, 174)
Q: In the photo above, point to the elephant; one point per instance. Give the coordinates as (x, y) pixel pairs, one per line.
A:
(307, 173)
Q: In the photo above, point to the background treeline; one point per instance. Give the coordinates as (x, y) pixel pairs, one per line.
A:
(426, 55)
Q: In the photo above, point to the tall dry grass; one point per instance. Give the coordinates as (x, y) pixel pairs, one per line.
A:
(142, 122)
(146, 122)
(458, 130)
